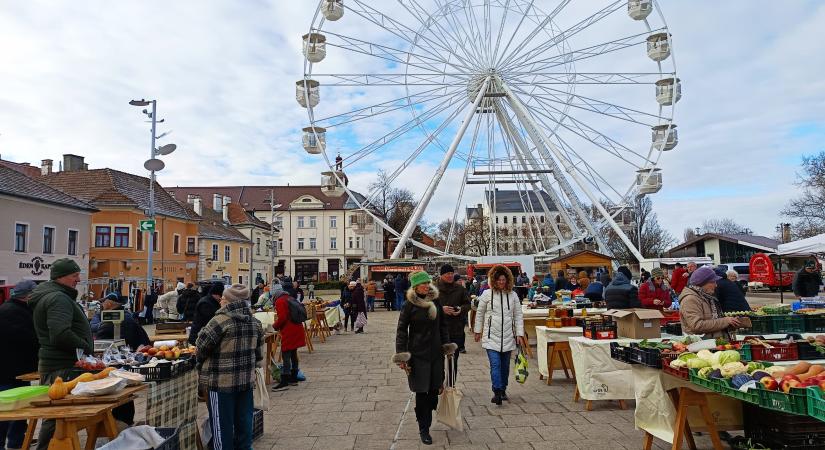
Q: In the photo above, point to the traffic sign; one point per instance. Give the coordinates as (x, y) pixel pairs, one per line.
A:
(147, 225)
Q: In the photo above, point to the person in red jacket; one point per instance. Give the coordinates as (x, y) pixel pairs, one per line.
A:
(653, 293)
(292, 338)
(678, 279)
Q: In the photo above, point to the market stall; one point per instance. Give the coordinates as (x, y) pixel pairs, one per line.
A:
(552, 346)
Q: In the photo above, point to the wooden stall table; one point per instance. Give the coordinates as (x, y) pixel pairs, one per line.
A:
(180, 337)
(70, 418)
(553, 351)
(663, 409)
(31, 376)
(272, 341)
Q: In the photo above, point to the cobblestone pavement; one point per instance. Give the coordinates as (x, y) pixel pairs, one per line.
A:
(355, 396)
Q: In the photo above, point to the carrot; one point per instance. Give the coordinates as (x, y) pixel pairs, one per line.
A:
(812, 372)
(800, 368)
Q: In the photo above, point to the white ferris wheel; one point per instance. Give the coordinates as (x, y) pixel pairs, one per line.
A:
(572, 99)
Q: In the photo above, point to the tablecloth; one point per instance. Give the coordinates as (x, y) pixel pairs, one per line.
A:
(656, 414)
(174, 403)
(598, 376)
(546, 335)
(334, 315)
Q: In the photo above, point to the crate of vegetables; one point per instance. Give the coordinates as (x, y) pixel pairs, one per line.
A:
(794, 401)
(678, 370)
(772, 350)
(705, 380)
(619, 352)
(649, 353)
(761, 325)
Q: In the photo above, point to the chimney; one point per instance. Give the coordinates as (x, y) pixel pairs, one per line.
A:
(196, 205)
(217, 202)
(73, 163)
(46, 167)
(226, 201)
(786, 232)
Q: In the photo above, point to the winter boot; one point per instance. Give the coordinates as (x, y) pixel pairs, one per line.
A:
(504, 395)
(282, 385)
(424, 422)
(496, 397)
(293, 378)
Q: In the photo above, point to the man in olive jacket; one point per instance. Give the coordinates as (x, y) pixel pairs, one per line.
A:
(61, 327)
(455, 302)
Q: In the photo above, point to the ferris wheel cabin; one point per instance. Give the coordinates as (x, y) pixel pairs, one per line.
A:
(315, 47)
(639, 9)
(665, 135)
(658, 46)
(314, 139)
(361, 222)
(333, 9)
(649, 181)
(330, 185)
(308, 90)
(668, 91)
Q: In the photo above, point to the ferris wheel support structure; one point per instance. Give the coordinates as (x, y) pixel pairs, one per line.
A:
(537, 132)
(428, 194)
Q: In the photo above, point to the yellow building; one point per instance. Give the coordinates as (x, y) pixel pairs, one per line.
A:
(118, 252)
(224, 252)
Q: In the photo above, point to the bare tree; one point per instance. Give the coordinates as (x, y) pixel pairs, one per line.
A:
(807, 210)
(724, 225)
(477, 236)
(688, 234)
(646, 233)
(394, 205)
(458, 242)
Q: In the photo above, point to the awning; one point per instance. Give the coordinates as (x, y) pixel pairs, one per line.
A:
(815, 244)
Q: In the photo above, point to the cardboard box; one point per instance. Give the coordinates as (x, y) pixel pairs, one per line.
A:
(637, 323)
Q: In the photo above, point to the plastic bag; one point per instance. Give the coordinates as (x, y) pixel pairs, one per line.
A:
(521, 367)
(275, 370)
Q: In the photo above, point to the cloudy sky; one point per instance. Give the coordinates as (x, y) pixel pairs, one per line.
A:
(224, 75)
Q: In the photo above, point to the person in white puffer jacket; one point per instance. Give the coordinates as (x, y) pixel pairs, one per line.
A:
(499, 325)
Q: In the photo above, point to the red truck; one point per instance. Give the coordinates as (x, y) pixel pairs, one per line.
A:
(764, 270)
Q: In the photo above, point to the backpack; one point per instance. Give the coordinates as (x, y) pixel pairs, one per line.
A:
(297, 311)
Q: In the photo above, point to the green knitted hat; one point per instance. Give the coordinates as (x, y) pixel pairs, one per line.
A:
(63, 267)
(419, 278)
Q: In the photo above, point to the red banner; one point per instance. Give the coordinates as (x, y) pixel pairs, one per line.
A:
(396, 268)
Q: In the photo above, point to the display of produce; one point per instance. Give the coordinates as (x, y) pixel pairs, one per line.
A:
(60, 389)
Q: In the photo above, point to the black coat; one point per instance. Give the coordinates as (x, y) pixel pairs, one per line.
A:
(204, 312)
(19, 341)
(419, 340)
(187, 301)
(730, 296)
(389, 291)
(807, 284)
(358, 302)
(454, 294)
(620, 294)
(130, 330)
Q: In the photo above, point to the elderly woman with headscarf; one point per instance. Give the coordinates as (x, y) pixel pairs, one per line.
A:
(500, 317)
(700, 310)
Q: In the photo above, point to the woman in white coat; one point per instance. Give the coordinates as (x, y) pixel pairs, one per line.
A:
(499, 325)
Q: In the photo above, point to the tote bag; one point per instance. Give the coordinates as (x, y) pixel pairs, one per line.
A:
(449, 403)
(260, 393)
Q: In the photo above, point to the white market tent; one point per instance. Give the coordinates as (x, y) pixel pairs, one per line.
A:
(815, 244)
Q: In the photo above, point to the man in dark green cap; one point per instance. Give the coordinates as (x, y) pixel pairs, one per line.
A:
(61, 327)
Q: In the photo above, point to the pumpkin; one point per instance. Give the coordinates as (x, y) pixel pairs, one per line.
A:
(58, 389)
(103, 373)
(82, 378)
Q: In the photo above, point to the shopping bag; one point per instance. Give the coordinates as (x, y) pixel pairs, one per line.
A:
(361, 320)
(275, 371)
(521, 366)
(449, 402)
(260, 393)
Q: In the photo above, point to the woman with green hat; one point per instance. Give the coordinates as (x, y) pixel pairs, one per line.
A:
(421, 341)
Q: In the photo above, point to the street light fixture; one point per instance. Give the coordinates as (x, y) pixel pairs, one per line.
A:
(153, 164)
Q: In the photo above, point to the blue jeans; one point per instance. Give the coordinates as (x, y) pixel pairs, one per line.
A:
(12, 432)
(371, 303)
(231, 416)
(499, 369)
(399, 300)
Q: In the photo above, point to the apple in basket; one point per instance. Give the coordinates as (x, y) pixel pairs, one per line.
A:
(769, 383)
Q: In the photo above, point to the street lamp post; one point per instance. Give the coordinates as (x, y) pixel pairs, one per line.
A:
(153, 164)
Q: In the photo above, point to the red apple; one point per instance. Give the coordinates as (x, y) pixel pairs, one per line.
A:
(786, 385)
(822, 384)
(770, 383)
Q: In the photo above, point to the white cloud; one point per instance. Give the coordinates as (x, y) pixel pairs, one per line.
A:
(224, 76)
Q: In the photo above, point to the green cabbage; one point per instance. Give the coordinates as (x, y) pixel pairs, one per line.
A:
(704, 372)
(698, 363)
(753, 366)
(687, 356)
(728, 356)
